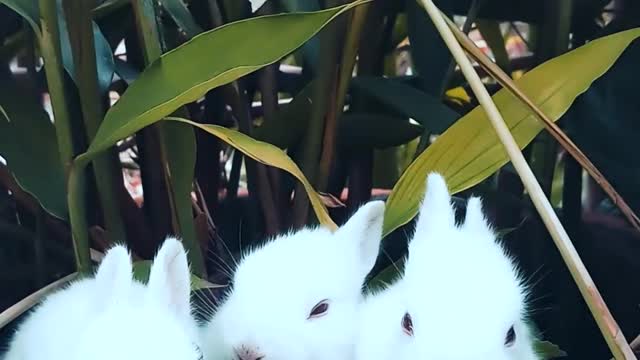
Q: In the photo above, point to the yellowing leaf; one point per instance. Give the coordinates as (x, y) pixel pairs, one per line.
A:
(269, 155)
(469, 151)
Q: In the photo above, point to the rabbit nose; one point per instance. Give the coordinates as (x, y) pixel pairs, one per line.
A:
(248, 353)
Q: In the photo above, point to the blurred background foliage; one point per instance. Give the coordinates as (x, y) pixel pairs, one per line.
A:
(353, 96)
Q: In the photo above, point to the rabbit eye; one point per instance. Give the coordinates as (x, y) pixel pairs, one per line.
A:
(320, 309)
(407, 324)
(510, 338)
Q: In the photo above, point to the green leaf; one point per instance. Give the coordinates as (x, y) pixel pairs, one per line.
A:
(386, 277)
(29, 145)
(469, 151)
(431, 57)
(548, 350)
(409, 101)
(311, 49)
(375, 131)
(186, 73)
(142, 269)
(610, 107)
(288, 125)
(181, 15)
(104, 56)
(267, 154)
(30, 11)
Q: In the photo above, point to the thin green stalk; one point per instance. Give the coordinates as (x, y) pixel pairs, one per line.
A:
(51, 53)
(52, 56)
(107, 172)
(181, 214)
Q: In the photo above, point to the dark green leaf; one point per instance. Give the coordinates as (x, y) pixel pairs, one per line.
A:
(126, 72)
(605, 124)
(311, 49)
(431, 57)
(409, 101)
(28, 144)
(362, 130)
(386, 276)
(28, 9)
(548, 350)
(290, 122)
(181, 15)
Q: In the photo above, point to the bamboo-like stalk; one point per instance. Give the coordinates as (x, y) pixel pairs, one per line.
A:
(180, 215)
(607, 324)
(52, 55)
(106, 171)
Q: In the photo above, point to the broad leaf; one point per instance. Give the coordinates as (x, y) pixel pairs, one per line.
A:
(431, 57)
(361, 130)
(288, 125)
(469, 151)
(548, 350)
(186, 73)
(269, 155)
(604, 122)
(405, 99)
(29, 145)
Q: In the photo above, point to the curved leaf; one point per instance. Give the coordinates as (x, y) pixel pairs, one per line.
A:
(186, 73)
(431, 57)
(182, 17)
(407, 100)
(30, 11)
(375, 131)
(29, 145)
(290, 121)
(267, 154)
(469, 151)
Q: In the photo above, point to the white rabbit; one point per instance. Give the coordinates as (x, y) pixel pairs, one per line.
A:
(296, 297)
(112, 316)
(460, 297)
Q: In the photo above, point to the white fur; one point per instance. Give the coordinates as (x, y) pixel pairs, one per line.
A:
(275, 287)
(111, 316)
(461, 289)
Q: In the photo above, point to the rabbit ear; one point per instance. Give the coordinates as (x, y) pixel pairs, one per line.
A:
(114, 274)
(365, 227)
(474, 218)
(170, 278)
(436, 211)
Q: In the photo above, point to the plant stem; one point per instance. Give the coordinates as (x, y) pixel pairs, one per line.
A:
(608, 326)
(52, 55)
(313, 139)
(181, 210)
(107, 172)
